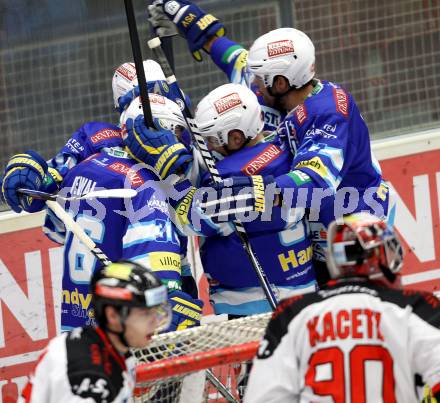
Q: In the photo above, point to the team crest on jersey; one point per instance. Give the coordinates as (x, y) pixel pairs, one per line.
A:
(227, 103)
(301, 114)
(105, 134)
(127, 70)
(262, 160)
(341, 100)
(126, 170)
(280, 48)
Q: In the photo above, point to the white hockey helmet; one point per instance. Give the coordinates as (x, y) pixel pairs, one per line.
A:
(285, 52)
(229, 107)
(166, 111)
(125, 77)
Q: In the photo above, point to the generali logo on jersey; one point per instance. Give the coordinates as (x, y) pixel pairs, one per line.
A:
(105, 135)
(127, 171)
(280, 48)
(227, 103)
(127, 70)
(301, 114)
(341, 101)
(263, 159)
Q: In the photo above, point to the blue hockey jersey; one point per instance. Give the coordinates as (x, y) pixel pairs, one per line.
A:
(282, 243)
(89, 139)
(333, 163)
(138, 229)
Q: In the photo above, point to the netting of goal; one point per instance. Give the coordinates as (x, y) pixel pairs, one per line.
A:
(209, 363)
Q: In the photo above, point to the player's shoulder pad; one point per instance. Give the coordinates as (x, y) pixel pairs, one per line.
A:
(423, 304)
(91, 370)
(129, 169)
(98, 133)
(331, 100)
(278, 325)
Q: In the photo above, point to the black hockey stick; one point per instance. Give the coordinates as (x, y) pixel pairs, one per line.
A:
(138, 62)
(155, 45)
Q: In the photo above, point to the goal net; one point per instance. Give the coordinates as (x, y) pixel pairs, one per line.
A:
(209, 363)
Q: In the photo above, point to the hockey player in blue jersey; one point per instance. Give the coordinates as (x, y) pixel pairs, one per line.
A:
(30, 170)
(139, 230)
(230, 120)
(324, 127)
(205, 32)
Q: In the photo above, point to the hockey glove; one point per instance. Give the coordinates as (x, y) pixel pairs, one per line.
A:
(187, 311)
(157, 148)
(195, 25)
(27, 170)
(227, 200)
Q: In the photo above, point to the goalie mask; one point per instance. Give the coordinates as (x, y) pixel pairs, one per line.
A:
(125, 285)
(166, 112)
(285, 52)
(363, 245)
(125, 78)
(229, 107)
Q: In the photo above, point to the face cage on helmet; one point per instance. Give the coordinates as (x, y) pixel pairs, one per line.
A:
(348, 254)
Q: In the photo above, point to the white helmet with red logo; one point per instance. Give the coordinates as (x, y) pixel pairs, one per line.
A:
(167, 112)
(125, 77)
(363, 245)
(229, 107)
(285, 52)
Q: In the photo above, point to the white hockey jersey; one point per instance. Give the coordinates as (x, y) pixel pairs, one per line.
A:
(352, 342)
(81, 366)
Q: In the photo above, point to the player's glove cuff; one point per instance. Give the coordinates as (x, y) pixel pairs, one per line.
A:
(26, 170)
(187, 311)
(157, 148)
(194, 24)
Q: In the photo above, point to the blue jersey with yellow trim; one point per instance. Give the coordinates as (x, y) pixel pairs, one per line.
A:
(232, 59)
(89, 139)
(333, 161)
(282, 243)
(138, 229)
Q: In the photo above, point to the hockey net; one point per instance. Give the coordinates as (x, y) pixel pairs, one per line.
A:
(209, 363)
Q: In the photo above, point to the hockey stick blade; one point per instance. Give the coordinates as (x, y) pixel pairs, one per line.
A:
(105, 194)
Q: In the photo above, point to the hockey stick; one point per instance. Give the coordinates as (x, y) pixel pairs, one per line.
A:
(138, 62)
(155, 45)
(70, 223)
(104, 194)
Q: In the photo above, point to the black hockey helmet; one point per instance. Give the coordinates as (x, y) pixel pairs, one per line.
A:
(128, 284)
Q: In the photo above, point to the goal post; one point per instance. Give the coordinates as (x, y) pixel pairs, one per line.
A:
(209, 363)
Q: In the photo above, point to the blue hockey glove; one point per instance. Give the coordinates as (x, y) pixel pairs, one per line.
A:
(235, 195)
(195, 25)
(227, 200)
(157, 148)
(27, 170)
(187, 311)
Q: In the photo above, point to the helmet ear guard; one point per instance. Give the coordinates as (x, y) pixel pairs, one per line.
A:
(229, 107)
